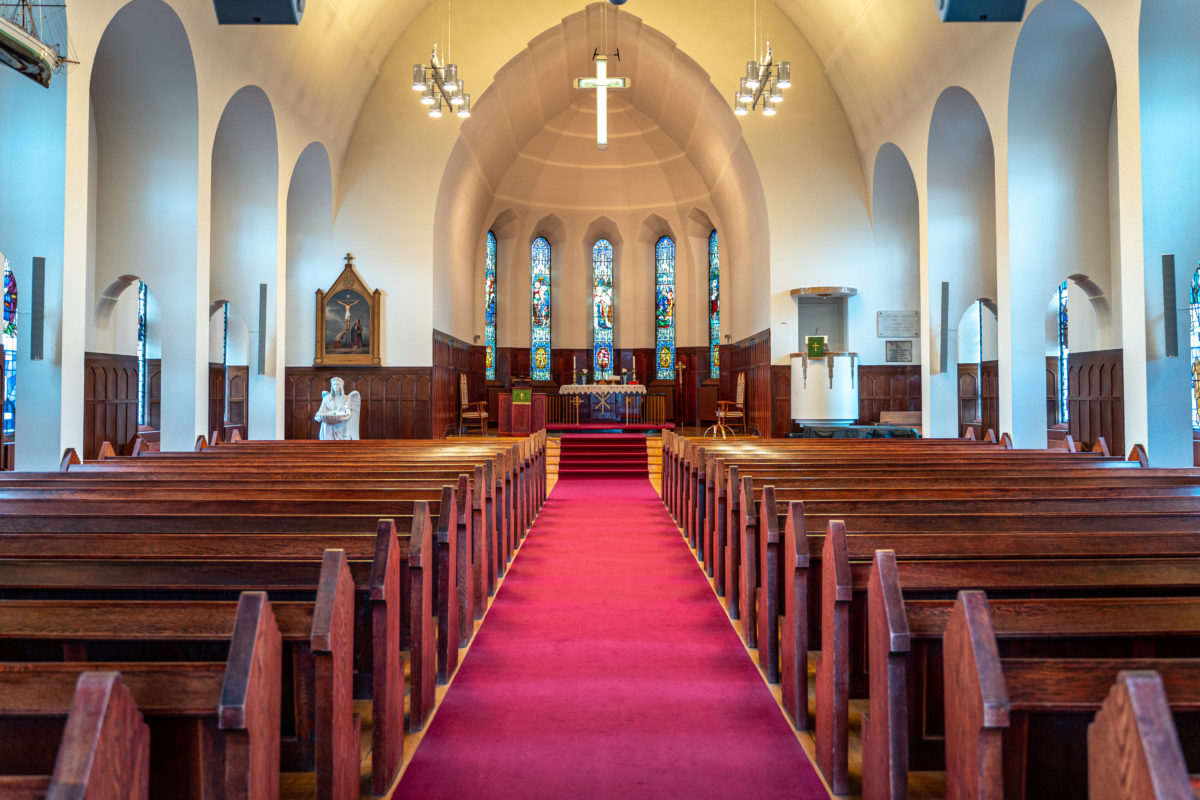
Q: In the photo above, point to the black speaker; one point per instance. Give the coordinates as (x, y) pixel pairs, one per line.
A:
(944, 340)
(37, 310)
(262, 329)
(259, 12)
(981, 10)
(1170, 318)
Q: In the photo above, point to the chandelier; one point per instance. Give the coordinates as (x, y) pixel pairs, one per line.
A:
(765, 80)
(439, 84)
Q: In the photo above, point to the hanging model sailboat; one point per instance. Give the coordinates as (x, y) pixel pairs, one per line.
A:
(24, 44)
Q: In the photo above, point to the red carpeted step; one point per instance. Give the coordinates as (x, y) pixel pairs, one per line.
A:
(602, 455)
(607, 669)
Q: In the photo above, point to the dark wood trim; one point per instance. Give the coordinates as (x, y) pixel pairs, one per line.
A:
(887, 387)
(396, 401)
(1096, 398)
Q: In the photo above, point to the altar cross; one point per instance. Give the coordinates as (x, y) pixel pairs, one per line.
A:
(602, 83)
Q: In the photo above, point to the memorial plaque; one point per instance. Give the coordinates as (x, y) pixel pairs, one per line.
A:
(899, 351)
(898, 324)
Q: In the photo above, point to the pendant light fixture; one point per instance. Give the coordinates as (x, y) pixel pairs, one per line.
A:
(764, 80)
(438, 82)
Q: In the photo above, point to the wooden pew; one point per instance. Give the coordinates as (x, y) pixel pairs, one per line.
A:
(104, 752)
(161, 567)
(990, 702)
(1133, 748)
(214, 727)
(320, 635)
(904, 634)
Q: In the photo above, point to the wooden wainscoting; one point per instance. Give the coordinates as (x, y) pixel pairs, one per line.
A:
(887, 387)
(396, 401)
(110, 399)
(1096, 398)
(752, 356)
(452, 357)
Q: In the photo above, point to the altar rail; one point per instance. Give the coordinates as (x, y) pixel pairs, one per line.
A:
(653, 410)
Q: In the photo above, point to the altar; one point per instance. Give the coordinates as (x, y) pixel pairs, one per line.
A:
(605, 402)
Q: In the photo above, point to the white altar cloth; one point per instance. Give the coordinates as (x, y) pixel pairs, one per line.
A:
(602, 388)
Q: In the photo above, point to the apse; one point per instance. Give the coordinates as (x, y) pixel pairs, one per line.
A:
(674, 144)
(1061, 172)
(145, 205)
(1170, 116)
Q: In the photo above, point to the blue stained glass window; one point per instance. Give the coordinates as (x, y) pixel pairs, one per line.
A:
(8, 338)
(141, 353)
(1195, 342)
(664, 308)
(489, 307)
(539, 275)
(714, 307)
(1063, 353)
(602, 309)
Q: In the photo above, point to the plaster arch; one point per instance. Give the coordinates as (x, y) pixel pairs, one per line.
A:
(1170, 115)
(669, 89)
(244, 241)
(1063, 212)
(311, 260)
(145, 204)
(961, 236)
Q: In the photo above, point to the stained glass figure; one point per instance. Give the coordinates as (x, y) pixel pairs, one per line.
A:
(1063, 353)
(489, 308)
(714, 306)
(602, 309)
(1195, 342)
(141, 353)
(539, 274)
(664, 308)
(8, 339)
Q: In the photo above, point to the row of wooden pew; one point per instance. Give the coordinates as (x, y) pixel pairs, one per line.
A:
(982, 599)
(247, 594)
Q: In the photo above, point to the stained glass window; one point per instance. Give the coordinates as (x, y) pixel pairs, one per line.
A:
(664, 308)
(714, 307)
(1063, 352)
(489, 307)
(539, 274)
(602, 309)
(1195, 342)
(8, 338)
(141, 353)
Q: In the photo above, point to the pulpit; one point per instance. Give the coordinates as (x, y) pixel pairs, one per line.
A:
(521, 411)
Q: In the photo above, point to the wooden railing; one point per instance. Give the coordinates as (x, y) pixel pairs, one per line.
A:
(652, 410)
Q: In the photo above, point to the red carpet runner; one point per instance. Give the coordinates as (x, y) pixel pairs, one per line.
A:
(607, 669)
(602, 455)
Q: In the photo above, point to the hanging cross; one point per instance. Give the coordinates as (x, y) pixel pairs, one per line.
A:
(602, 83)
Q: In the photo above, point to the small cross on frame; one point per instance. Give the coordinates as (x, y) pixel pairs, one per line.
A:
(349, 259)
(602, 83)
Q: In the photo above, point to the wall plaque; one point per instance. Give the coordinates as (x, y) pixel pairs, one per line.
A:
(898, 324)
(898, 351)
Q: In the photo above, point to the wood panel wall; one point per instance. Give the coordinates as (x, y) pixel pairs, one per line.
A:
(110, 396)
(216, 397)
(396, 401)
(887, 387)
(752, 356)
(1096, 398)
(453, 357)
(968, 395)
(989, 392)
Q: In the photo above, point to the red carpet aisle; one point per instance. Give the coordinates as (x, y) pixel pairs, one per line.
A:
(602, 455)
(607, 669)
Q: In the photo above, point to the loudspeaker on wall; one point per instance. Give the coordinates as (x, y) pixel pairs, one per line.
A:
(944, 338)
(259, 12)
(1170, 317)
(262, 329)
(37, 309)
(981, 10)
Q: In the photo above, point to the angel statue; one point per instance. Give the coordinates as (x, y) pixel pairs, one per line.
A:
(339, 412)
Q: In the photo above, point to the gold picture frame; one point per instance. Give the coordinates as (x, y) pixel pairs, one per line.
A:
(347, 321)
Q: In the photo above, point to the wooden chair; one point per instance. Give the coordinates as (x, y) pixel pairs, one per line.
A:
(734, 410)
(469, 412)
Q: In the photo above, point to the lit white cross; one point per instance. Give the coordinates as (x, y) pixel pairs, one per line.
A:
(602, 83)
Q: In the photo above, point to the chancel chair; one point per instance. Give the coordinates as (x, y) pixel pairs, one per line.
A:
(469, 412)
(733, 412)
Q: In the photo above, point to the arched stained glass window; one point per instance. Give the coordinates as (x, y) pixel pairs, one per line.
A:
(1195, 342)
(8, 338)
(714, 307)
(1064, 352)
(489, 308)
(602, 309)
(141, 352)
(539, 276)
(664, 308)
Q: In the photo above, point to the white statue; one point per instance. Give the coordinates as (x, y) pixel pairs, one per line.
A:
(339, 412)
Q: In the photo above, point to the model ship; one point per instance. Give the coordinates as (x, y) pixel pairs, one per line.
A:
(24, 44)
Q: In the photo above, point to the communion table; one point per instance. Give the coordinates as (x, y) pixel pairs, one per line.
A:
(605, 402)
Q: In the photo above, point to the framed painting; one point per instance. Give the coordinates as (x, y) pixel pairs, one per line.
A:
(347, 321)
